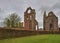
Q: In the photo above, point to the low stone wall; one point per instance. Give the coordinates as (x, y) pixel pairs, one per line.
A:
(11, 33)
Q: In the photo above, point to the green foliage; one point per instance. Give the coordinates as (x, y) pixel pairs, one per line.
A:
(50, 38)
(12, 20)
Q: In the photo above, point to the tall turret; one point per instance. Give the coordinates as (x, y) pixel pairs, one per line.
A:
(44, 18)
(44, 13)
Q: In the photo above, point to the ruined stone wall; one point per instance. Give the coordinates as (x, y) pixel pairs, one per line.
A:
(50, 22)
(29, 19)
(13, 33)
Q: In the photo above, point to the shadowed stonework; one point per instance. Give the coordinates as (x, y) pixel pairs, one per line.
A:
(50, 22)
(30, 23)
(50, 26)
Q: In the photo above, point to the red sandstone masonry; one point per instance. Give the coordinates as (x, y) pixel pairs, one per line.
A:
(12, 33)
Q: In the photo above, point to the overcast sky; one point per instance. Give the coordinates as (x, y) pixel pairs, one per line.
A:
(19, 6)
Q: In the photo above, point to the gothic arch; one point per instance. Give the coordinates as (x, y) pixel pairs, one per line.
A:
(29, 9)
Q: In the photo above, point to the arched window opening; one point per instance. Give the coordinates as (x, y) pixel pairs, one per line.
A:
(29, 11)
(36, 27)
(30, 18)
(51, 27)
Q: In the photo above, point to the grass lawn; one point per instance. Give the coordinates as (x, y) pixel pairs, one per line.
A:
(50, 38)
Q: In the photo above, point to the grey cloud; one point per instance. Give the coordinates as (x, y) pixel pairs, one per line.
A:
(55, 6)
(19, 6)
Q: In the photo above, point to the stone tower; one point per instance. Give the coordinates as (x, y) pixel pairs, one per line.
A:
(44, 17)
(50, 22)
(30, 22)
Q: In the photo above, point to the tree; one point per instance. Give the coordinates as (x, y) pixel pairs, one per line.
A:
(12, 20)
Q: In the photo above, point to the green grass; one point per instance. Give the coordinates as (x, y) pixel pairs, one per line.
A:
(51, 38)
